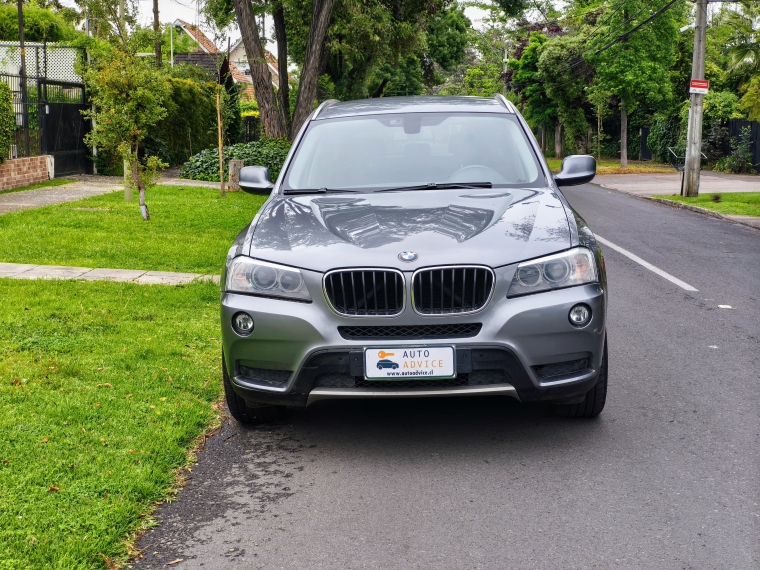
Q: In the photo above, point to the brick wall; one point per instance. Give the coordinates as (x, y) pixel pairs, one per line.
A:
(23, 171)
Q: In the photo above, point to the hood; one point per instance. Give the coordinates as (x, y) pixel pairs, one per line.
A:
(489, 226)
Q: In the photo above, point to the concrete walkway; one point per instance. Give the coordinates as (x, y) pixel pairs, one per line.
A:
(670, 183)
(85, 185)
(29, 271)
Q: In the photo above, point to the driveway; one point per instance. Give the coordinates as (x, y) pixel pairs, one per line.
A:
(668, 477)
(670, 183)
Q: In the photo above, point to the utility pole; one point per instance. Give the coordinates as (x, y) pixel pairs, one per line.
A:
(693, 160)
(22, 79)
(157, 29)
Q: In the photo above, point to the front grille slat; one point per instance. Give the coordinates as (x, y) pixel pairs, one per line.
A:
(454, 330)
(365, 292)
(452, 290)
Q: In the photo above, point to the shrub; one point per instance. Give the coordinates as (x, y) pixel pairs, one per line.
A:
(7, 121)
(740, 159)
(190, 122)
(270, 153)
(717, 140)
(664, 132)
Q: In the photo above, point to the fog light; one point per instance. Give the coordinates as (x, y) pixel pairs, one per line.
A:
(242, 323)
(580, 315)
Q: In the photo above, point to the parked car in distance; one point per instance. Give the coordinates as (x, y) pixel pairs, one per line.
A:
(429, 229)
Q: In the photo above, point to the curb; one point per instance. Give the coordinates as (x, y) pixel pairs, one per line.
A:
(681, 206)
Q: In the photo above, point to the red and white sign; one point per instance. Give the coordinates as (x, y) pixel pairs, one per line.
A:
(700, 86)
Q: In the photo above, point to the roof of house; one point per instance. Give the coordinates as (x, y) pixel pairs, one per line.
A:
(205, 60)
(195, 32)
(216, 64)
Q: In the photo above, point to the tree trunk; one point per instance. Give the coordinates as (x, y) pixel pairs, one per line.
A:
(157, 28)
(543, 137)
(234, 178)
(271, 115)
(599, 132)
(623, 136)
(558, 140)
(380, 88)
(221, 140)
(307, 87)
(280, 34)
(140, 186)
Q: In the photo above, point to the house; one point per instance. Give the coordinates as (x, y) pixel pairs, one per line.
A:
(208, 54)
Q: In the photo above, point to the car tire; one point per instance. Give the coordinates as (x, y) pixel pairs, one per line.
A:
(593, 404)
(240, 410)
(379, 367)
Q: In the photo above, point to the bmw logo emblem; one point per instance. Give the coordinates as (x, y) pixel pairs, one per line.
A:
(407, 256)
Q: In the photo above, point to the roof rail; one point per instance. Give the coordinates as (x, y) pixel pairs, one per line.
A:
(506, 103)
(324, 105)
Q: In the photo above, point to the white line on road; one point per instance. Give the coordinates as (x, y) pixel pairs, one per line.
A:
(646, 264)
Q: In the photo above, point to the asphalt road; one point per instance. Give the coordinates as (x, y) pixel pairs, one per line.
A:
(668, 477)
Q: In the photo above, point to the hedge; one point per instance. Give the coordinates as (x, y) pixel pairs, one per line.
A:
(269, 152)
(190, 122)
(7, 121)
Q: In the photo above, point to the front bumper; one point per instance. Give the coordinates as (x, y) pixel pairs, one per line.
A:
(296, 354)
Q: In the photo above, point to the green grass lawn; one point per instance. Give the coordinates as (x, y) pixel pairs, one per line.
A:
(732, 203)
(103, 388)
(612, 166)
(190, 229)
(46, 184)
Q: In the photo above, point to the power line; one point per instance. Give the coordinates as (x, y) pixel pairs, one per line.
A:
(627, 34)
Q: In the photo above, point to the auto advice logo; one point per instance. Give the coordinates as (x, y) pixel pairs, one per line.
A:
(407, 256)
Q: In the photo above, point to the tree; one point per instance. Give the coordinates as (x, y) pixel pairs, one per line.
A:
(108, 21)
(744, 50)
(634, 65)
(446, 42)
(128, 97)
(566, 76)
(529, 85)
(751, 100)
(39, 25)
(273, 115)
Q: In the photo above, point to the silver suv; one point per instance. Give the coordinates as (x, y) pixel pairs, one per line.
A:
(415, 247)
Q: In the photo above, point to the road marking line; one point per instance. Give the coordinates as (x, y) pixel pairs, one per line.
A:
(646, 264)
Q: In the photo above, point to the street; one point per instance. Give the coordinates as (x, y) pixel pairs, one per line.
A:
(668, 477)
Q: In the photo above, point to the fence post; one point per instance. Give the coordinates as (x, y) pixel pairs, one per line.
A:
(22, 82)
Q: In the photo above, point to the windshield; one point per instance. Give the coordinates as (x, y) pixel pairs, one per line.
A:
(374, 152)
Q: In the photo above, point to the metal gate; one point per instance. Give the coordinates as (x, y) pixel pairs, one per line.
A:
(64, 127)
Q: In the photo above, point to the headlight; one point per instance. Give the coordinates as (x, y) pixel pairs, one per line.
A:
(566, 269)
(247, 275)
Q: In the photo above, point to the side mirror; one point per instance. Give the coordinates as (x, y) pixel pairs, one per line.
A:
(255, 180)
(576, 169)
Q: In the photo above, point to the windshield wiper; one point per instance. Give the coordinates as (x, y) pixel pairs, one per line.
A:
(440, 186)
(316, 191)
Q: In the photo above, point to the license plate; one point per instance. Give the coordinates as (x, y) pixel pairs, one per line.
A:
(403, 363)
